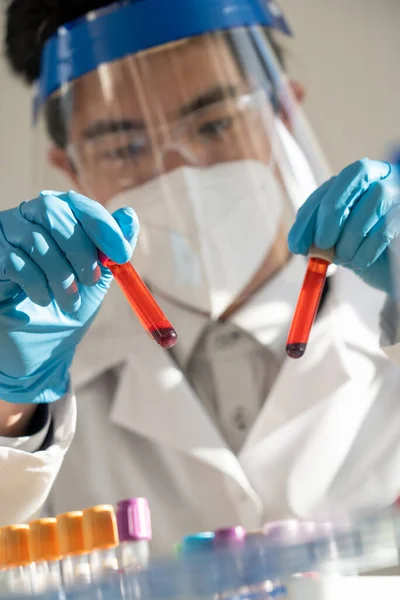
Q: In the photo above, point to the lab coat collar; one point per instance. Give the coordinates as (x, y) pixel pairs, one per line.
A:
(154, 399)
(116, 334)
(154, 391)
(265, 316)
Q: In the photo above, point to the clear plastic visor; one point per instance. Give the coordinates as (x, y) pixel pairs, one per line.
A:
(206, 140)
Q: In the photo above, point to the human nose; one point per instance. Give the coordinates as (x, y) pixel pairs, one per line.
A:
(175, 156)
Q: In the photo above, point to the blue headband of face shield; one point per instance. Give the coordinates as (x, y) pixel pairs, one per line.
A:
(126, 28)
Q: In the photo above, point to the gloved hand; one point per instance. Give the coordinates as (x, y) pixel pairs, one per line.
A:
(51, 287)
(358, 214)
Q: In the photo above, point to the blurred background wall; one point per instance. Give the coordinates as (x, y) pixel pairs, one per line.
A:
(346, 54)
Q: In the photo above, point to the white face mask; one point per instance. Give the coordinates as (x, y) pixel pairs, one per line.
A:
(205, 231)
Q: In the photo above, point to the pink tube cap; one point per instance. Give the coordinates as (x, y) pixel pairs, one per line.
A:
(228, 536)
(133, 519)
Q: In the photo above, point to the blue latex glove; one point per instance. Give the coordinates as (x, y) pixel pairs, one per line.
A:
(51, 287)
(358, 214)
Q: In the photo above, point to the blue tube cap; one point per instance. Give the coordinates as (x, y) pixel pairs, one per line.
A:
(198, 543)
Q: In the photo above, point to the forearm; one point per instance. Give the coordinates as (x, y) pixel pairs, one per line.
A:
(15, 418)
(30, 465)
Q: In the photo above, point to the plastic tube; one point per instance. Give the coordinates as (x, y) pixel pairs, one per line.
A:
(75, 565)
(45, 553)
(16, 559)
(101, 541)
(142, 302)
(134, 531)
(308, 302)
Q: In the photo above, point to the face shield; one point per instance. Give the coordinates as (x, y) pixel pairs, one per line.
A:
(182, 111)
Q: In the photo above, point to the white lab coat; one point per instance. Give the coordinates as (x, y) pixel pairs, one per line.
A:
(326, 440)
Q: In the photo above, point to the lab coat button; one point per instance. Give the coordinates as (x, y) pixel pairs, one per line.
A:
(241, 418)
(225, 340)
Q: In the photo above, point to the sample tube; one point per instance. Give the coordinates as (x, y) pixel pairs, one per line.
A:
(229, 545)
(294, 544)
(75, 562)
(134, 531)
(45, 553)
(142, 302)
(101, 540)
(16, 559)
(307, 305)
(378, 541)
(332, 546)
(258, 569)
(3, 588)
(396, 519)
(198, 555)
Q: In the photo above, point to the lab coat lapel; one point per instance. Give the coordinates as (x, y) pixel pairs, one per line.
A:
(155, 400)
(312, 415)
(303, 383)
(153, 397)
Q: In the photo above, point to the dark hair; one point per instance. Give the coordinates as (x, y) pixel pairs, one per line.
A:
(30, 23)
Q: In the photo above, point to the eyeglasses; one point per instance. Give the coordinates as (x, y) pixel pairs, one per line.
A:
(223, 131)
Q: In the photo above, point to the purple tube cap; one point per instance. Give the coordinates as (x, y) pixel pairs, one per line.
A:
(133, 519)
(227, 536)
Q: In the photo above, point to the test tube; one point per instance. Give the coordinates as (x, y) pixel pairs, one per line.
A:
(100, 536)
(142, 302)
(295, 543)
(16, 559)
(202, 572)
(75, 562)
(258, 568)
(45, 553)
(308, 302)
(3, 589)
(332, 546)
(229, 545)
(134, 531)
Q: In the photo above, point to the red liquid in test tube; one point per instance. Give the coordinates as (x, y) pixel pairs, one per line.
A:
(307, 307)
(142, 302)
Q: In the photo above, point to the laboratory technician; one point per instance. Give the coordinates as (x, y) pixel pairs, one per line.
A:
(181, 112)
